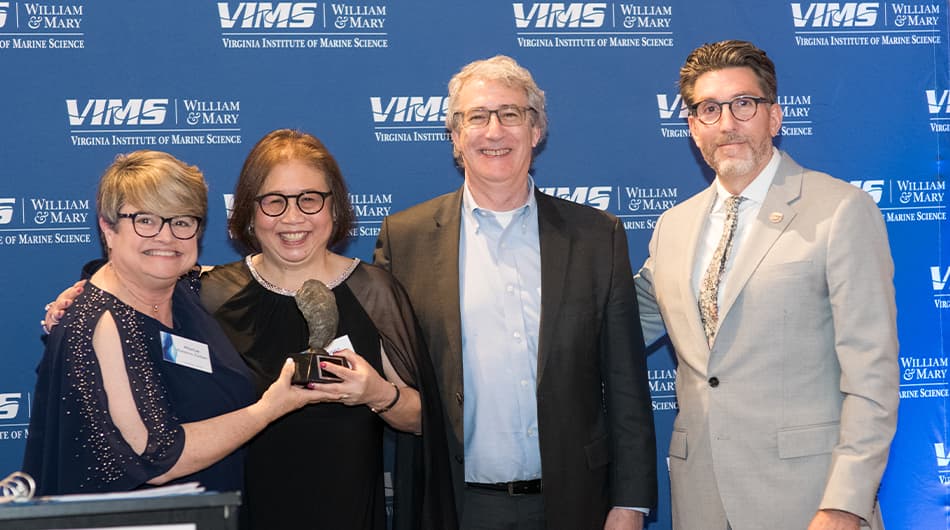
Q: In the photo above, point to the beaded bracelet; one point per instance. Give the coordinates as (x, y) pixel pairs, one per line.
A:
(392, 403)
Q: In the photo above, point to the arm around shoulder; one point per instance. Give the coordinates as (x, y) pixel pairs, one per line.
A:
(651, 320)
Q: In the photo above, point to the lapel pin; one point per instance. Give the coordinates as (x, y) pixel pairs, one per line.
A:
(776, 217)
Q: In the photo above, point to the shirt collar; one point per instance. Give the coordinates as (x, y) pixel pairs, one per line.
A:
(757, 189)
(470, 207)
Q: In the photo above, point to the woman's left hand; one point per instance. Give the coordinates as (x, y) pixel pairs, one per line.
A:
(361, 383)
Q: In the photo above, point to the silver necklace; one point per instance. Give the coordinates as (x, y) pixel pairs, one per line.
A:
(288, 292)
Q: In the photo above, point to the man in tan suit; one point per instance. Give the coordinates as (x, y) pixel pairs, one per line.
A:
(780, 306)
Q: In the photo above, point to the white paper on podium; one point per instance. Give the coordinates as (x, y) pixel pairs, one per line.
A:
(162, 491)
(175, 526)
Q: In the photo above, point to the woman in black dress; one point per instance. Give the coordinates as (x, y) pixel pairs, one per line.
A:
(321, 467)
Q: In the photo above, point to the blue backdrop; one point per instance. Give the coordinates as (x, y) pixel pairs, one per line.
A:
(864, 88)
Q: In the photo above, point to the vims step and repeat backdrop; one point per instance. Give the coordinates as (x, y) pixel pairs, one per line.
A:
(863, 85)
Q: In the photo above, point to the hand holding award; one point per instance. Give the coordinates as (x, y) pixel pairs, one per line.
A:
(318, 305)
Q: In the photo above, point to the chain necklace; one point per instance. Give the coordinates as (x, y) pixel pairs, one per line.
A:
(154, 307)
(288, 292)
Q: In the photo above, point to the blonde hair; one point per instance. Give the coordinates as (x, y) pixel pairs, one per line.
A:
(155, 181)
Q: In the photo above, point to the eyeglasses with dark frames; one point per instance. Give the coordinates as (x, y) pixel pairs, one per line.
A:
(309, 202)
(508, 115)
(743, 108)
(149, 225)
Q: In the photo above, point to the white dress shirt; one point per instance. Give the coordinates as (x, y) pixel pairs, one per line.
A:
(754, 195)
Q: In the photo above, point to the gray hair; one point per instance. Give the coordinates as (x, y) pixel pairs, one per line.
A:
(507, 71)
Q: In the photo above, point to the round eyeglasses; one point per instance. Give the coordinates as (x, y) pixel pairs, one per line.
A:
(508, 115)
(743, 108)
(150, 225)
(309, 202)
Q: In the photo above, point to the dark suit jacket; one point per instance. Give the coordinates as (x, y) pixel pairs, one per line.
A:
(594, 413)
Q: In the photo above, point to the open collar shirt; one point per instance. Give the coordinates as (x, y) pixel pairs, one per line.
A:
(500, 289)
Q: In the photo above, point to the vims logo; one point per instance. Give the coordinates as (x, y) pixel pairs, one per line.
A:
(835, 15)
(409, 118)
(229, 204)
(938, 104)
(409, 109)
(943, 459)
(671, 107)
(116, 111)
(6, 210)
(875, 188)
(596, 196)
(940, 277)
(593, 25)
(943, 463)
(9, 405)
(940, 280)
(229, 209)
(560, 15)
(267, 15)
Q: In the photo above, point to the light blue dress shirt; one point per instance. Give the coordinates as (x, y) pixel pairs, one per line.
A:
(500, 288)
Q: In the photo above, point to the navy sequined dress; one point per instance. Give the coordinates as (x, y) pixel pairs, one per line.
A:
(73, 446)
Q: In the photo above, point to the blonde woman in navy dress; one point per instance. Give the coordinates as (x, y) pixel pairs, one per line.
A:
(138, 385)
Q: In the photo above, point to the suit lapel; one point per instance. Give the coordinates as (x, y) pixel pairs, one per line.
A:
(554, 237)
(444, 295)
(773, 218)
(694, 228)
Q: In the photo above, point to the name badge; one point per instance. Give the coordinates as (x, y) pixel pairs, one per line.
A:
(186, 352)
(339, 343)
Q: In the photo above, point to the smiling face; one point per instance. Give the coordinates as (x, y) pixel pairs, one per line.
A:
(294, 238)
(736, 150)
(153, 262)
(495, 154)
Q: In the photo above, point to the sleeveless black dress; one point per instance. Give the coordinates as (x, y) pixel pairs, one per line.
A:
(320, 466)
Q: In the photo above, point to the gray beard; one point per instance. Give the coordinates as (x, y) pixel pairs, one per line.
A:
(732, 168)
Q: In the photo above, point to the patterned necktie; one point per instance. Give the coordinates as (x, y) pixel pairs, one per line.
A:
(709, 290)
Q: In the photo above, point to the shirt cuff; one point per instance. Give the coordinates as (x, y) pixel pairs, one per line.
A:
(644, 511)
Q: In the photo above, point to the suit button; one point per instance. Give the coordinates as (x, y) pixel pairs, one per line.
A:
(458, 397)
(714, 382)
(459, 458)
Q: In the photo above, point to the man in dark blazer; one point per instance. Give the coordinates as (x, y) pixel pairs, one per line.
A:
(528, 307)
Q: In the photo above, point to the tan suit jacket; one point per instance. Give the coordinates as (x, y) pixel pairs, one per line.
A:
(594, 414)
(794, 406)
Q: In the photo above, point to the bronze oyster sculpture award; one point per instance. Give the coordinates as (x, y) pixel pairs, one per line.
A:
(318, 305)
